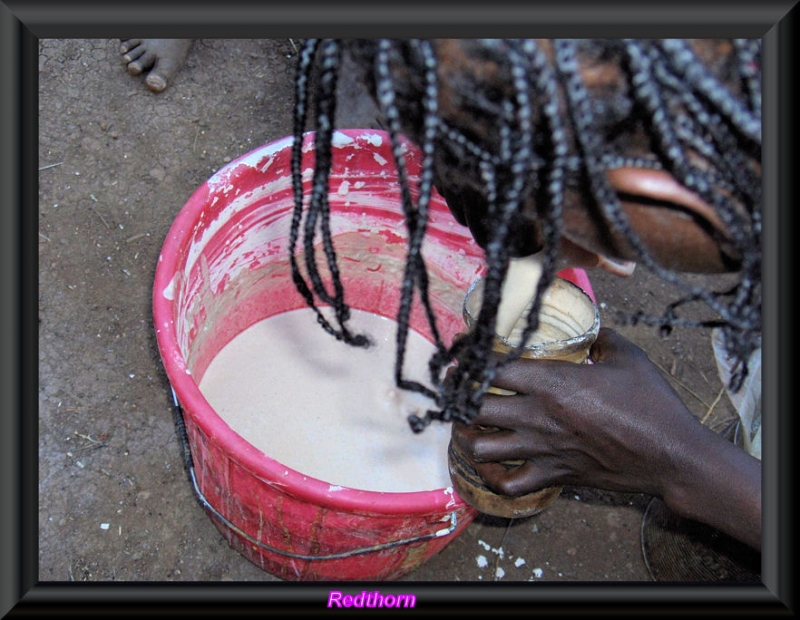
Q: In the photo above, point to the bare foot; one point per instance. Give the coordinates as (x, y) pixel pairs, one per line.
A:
(162, 57)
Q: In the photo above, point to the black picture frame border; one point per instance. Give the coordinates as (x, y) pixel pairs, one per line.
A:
(23, 23)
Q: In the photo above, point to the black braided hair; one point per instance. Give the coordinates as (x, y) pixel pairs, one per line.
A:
(318, 215)
(680, 104)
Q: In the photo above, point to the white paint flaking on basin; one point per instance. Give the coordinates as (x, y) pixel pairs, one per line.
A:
(374, 139)
(252, 159)
(226, 214)
(339, 140)
(169, 290)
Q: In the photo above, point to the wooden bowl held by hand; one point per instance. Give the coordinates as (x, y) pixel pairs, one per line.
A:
(571, 319)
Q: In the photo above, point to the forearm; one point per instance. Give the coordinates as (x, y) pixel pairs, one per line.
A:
(719, 484)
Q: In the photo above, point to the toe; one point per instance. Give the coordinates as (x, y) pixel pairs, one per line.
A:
(156, 82)
(136, 67)
(140, 59)
(127, 45)
(136, 52)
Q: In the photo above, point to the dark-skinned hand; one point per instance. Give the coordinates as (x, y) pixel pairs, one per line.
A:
(615, 424)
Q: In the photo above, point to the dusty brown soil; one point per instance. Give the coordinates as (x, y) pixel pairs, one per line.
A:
(116, 165)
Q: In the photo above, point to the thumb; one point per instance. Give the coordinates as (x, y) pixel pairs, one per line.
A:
(611, 347)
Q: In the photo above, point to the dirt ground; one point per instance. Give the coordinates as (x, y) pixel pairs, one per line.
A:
(116, 164)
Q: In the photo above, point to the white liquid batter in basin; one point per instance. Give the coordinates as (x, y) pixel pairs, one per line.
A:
(329, 410)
